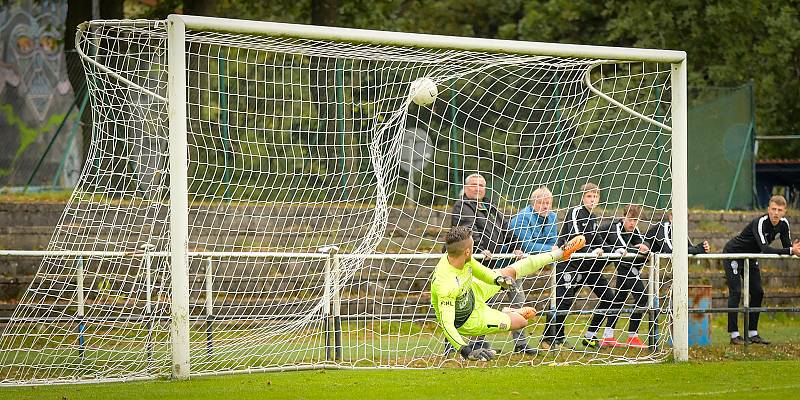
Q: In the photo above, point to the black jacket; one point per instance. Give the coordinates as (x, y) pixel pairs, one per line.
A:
(489, 226)
(580, 221)
(758, 234)
(615, 237)
(659, 239)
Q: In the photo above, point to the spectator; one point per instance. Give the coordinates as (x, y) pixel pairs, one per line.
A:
(755, 238)
(490, 235)
(622, 236)
(571, 276)
(659, 238)
(534, 227)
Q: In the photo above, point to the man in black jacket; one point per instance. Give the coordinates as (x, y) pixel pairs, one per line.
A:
(491, 235)
(622, 237)
(489, 226)
(755, 238)
(659, 238)
(572, 275)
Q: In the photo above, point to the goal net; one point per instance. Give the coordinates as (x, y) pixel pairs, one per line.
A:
(318, 195)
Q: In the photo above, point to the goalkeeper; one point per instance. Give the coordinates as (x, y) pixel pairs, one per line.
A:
(461, 286)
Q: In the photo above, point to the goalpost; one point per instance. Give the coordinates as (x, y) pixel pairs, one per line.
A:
(266, 196)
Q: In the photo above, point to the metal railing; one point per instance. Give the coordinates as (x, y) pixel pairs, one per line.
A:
(332, 302)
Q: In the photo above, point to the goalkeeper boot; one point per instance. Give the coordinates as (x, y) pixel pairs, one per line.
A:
(573, 245)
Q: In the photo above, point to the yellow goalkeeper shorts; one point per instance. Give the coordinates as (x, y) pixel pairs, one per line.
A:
(484, 320)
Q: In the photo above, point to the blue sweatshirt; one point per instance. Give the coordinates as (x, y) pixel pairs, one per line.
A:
(536, 234)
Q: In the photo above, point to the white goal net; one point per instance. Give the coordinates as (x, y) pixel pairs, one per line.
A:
(300, 143)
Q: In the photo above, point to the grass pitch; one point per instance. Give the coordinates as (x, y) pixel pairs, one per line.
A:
(717, 371)
(744, 379)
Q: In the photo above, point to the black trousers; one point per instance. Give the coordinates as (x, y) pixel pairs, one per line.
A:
(570, 278)
(629, 282)
(734, 278)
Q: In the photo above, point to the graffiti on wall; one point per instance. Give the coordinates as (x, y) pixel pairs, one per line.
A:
(35, 95)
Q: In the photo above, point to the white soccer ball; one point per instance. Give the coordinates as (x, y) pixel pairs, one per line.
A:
(423, 91)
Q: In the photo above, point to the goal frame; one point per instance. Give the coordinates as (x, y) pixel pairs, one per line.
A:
(179, 205)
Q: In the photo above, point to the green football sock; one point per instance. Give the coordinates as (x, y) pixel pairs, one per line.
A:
(531, 264)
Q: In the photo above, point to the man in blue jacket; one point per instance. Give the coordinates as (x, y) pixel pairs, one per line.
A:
(534, 227)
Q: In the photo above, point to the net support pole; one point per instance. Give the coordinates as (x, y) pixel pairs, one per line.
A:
(653, 285)
(147, 260)
(746, 301)
(326, 308)
(336, 308)
(657, 299)
(331, 304)
(680, 211)
(553, 299)
(179, 199)
(651, 301)
(209, 306)
(81, 307)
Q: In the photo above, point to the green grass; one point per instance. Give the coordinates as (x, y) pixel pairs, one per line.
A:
(112, 352)
(56, 196)
(778, 327)
(717, 371)
(776, 365)
(751, 379)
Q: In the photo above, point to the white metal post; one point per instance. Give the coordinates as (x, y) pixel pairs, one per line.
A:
(336, 305)
(209, 286)
(179, 199)
(745, 301)
(651, 301)
(147, 262)
(209, 306)
(680, 215)
(326, 308)
(553, 300)
(657, 300)
(428, 41)
(79, 282)
(81, 307)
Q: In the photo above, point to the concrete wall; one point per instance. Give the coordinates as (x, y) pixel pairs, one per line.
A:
(29, 226)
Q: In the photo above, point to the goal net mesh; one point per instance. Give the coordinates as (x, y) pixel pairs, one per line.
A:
(297, 144)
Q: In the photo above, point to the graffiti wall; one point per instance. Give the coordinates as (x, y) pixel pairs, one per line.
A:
(35, 96)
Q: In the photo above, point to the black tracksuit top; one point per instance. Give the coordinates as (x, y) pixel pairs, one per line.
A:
(758, 234)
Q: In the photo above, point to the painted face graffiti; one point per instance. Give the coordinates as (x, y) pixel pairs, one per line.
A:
(33, 59)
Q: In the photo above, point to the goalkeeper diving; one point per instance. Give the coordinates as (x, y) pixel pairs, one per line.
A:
(461, 286)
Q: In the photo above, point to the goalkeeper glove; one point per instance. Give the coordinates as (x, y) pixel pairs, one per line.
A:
(505, 282)
(479, 354)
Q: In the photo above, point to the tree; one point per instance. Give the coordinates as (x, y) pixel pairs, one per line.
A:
(728, 44)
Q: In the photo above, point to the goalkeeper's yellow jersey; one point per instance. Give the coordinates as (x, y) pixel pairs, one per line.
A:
(452, 297)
